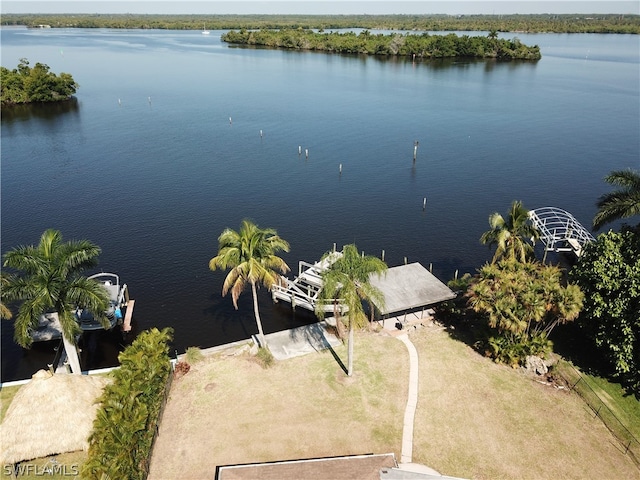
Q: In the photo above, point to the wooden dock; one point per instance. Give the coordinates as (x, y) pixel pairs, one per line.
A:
(126, 326)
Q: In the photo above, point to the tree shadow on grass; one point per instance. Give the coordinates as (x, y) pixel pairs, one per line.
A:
(463, 325)
(315, 335)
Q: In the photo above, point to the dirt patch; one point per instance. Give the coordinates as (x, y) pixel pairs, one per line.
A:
(210, 386)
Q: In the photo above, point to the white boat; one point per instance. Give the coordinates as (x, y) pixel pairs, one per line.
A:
(118, 297)
(204, 30)
(49, 325)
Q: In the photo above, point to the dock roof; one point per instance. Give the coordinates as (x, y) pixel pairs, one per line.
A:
(410, 286)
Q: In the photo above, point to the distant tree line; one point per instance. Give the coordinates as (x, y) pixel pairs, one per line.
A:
(397, 44)
(531, 23)
(26, 84)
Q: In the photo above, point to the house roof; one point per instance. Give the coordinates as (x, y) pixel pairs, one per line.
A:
(410, 286)
(352, 467)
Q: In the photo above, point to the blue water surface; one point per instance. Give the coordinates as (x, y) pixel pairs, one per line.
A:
(162, 150)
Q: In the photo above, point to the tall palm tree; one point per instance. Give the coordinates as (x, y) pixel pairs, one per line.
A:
(347, 282)
(48, 280)
(622, 203)
(511, 235)
(250, 253)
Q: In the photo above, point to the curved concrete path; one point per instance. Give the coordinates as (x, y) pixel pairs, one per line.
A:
(412, 401)
(406, 461)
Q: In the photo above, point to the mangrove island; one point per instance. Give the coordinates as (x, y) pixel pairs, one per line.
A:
(395, 44)
(26, 84)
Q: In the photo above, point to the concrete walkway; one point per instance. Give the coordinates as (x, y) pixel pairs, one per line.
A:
(406, 455)
(301, 341)
(412, 401)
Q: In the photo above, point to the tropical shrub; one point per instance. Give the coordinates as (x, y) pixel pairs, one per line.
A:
(265, 357)
(608, 272)
(126, 422)
(521, 303)
(193, 355)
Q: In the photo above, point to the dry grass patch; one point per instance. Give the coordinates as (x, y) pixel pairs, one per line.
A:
(476, 419)
(231, 410)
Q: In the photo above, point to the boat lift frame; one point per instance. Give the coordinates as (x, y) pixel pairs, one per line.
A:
(559, 231)
(303, 290)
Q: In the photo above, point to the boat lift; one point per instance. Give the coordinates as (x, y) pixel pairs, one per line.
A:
(559, 231)
(303, 290)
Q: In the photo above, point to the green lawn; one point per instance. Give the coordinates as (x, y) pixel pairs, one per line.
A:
(624, 406)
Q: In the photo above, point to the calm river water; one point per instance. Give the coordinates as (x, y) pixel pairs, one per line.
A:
(162, 150)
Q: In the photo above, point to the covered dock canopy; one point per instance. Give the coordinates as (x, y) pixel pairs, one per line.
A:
(559, 230)
(409, 287)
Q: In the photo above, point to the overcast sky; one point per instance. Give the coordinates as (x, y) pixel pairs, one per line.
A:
(320, 7)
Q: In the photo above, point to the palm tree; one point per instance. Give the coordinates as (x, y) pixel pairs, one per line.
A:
(250, 253)
(51, 282)
(511, 235)
(621, 203)
(5, 280)
(347, 282)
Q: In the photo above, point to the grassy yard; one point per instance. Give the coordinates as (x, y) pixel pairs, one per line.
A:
(227, 411)
(624, 406)
(475, 419)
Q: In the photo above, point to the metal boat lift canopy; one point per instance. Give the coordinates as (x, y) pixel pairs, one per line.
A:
(559, 230)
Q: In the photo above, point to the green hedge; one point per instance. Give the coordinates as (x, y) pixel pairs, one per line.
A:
(124, 428)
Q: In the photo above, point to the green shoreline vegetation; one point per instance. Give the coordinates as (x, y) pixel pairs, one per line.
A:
(395, 44)
(36, 84)
(529, 23)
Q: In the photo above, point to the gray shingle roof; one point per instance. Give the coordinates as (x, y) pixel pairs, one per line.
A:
(410, 286)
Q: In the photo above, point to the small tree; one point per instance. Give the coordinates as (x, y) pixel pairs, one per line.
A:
(511, 235)
(347, 284)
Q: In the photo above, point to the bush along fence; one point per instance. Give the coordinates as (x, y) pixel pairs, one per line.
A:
(126, 423)
(576, 382)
